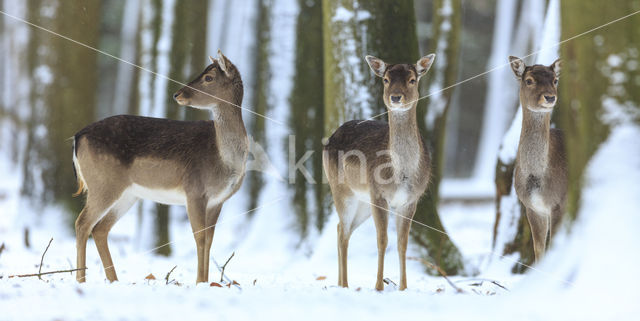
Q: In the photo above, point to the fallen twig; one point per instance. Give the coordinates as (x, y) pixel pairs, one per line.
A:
(168, 274)
(486, 280)
(224, 266)
(444, 275)
(39, 274)
(42, 259)
(225, 277)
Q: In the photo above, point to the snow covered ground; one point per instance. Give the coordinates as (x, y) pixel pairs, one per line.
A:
(279, 282)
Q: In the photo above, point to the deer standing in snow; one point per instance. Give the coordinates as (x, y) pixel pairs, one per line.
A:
(200, 164)
(540, 169)
(373, 165)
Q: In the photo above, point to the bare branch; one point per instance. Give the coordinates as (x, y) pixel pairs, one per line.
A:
(224, 266)
(444, 275)
(43, 273)
(168, 274)
(42, 259)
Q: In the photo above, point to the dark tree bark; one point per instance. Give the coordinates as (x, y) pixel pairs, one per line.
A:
(446, 39)
(307, 116)
(71, 98)
(260, 103)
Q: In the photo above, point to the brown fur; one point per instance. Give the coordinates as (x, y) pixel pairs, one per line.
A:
(540, 172)
(397, 167)
(200, 164)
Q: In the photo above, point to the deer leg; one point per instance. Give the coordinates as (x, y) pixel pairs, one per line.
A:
(210, 225)
(346, 211)
(101, 230)
(94, 209)
(196, 209)
(539, 228)
(403, 226)
(381, 220)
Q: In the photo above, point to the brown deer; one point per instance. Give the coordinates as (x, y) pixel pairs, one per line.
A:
(200, 164)
(540, 169)
(373, 165)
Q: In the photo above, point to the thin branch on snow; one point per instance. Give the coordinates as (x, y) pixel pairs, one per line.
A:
(42, 259)
(39, 274)
(224, 266)
(444, 275)
(169, 274)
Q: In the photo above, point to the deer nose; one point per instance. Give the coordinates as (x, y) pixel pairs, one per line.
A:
(550, 99)
(395, 99)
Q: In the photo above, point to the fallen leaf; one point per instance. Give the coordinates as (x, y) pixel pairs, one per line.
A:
(234, 282)
(215, 284)
(150, 277)
(320, 278)
(255, 281)
(358, 289)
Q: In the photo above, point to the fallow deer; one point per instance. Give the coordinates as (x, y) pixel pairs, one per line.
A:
(373, 165)
(200, 164)
(540, 170)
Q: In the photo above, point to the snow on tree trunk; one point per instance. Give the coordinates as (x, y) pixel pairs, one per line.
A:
(600, 84)
(511, 234)
(351, 31)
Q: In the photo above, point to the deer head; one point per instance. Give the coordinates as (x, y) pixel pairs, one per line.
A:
(219, 82)
(400, 81)
(538, 84)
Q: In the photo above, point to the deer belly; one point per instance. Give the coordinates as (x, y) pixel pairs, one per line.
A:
(163, 196)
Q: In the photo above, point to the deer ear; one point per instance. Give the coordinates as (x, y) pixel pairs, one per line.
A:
(424, 64)
(213, 60)
(517, 65)
(223, 62)
(377, 65)
(556, 66)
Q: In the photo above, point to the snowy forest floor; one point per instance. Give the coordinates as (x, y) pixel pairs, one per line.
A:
(281, 281)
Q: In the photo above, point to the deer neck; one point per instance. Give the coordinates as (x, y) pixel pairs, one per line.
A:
(231, 135)
(405, 145)
(533, 150)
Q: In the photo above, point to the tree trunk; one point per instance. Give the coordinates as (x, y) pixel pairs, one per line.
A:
(386, 29)
(599, 88)
(71, 97)
(307, 116)
(447, 25)
(260, 104)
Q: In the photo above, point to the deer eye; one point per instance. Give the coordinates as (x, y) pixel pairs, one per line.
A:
(529, 81)
(386, 81)
(208, 78)
(555, 82)
(412, 81)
